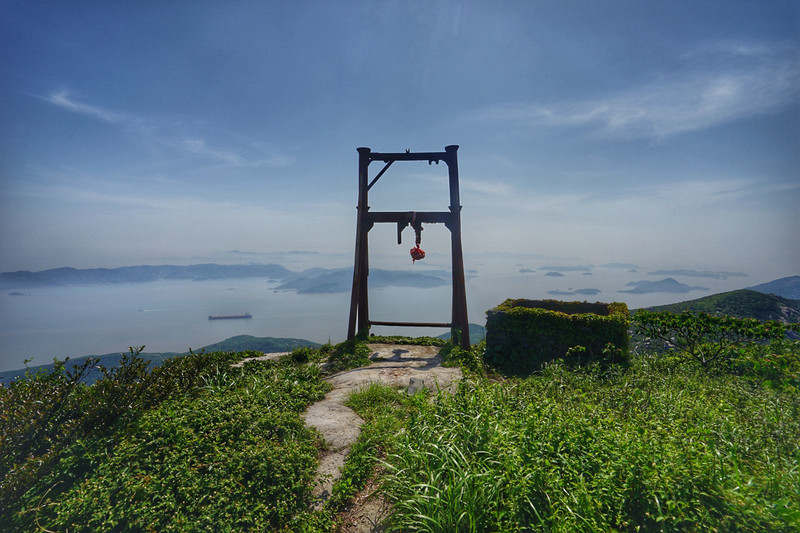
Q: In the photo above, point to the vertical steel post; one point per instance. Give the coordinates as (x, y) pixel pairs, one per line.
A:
(460, 320)
(359, 305)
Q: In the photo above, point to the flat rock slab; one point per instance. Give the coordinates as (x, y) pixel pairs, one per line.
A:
(394, 365)
(266, 357)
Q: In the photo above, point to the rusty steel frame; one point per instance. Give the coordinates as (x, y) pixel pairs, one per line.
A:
(359, 297)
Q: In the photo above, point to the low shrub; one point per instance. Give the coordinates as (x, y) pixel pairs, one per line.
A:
(400, 339)
(234, 456)
(347, 355)
(303, 355)
(775, 365)
(523, 335)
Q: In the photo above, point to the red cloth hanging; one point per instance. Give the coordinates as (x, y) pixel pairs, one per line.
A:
(417, 253)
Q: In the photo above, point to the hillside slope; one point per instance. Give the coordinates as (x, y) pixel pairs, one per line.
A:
(743, 303)
(786, 287)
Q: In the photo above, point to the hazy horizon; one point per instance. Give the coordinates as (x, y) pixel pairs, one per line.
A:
(171, 315)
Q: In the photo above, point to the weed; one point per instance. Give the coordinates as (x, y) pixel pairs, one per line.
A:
(348, 354)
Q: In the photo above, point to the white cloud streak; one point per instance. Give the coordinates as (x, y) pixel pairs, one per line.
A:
(63, 100)
(165, 134)
(695, 100)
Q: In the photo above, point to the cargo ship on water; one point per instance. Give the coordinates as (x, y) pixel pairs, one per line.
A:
(229, 317)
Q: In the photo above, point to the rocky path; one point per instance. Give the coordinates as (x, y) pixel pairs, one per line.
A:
(395, 365)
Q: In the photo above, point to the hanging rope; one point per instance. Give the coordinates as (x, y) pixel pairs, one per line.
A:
(417, 253)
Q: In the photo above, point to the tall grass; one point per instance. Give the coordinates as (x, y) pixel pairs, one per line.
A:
(577, 450)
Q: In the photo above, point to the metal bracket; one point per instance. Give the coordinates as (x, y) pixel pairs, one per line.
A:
(380, 174)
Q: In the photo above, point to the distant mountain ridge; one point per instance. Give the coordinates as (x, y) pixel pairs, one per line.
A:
(314, 280)
(787, 287)
(742, 303)
(139, 274)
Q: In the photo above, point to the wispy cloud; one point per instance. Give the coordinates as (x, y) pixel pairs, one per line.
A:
(202, 148)
(165, 133)
(493, 187)
(758, 83)
(65, 101)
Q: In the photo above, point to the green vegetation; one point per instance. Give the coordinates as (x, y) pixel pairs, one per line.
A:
(240, 343)
(417, 341)
(193, 445)
(385, 411)
(470, 361)
(673, 441)
(579, 450)
(523, 335)
(706, 338)
(349, 354)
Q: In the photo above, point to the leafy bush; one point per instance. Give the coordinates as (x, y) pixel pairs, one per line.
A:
(302, 356)
(46, 416)
(775, 365)
(39, 416)
(705, 338)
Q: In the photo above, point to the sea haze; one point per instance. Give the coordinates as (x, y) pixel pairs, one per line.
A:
(171, 315)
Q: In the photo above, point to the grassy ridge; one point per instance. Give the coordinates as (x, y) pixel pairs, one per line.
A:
(665, 444)
(743, 303)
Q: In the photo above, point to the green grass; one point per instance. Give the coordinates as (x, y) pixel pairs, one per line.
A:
(575, 450)
(195, 445)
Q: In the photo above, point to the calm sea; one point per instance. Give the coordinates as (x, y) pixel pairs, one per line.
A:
(172, 316)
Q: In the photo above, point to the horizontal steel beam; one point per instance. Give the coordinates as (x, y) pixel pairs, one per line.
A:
(423, 217)
(408, 156)
(411, 324)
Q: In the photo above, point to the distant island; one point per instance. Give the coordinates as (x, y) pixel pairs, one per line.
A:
(697, 274)
(314, 280)
(576, 292)
(665, 285)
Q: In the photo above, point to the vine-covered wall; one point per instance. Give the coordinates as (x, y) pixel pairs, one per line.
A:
(521, 335)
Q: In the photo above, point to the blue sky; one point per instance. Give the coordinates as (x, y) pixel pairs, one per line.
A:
(662, 133)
